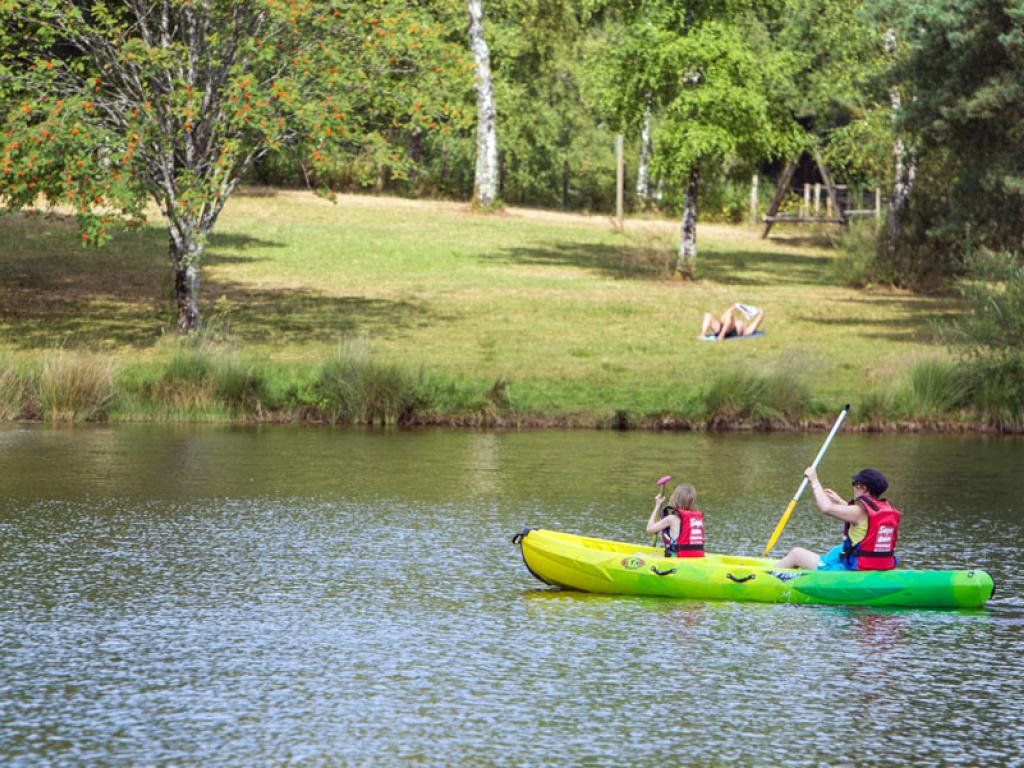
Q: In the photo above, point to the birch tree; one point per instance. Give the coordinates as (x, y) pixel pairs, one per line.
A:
(173, 101)
(716, 83)
(904, 168)
(644, 191)
(485, 182)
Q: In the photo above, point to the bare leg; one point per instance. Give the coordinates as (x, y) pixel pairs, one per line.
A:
(709, 325)
(728, 323)
(799, 557)
(751, 328)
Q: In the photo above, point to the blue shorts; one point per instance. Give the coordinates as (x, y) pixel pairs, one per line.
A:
(831, 561)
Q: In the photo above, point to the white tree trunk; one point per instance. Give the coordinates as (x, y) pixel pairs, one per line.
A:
(686, 261)
(643, 173)
(485, 183)
(904, 169)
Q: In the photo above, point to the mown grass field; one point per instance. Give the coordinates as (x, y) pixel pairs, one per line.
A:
(572, 315)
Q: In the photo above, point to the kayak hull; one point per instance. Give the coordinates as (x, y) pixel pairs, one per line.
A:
(612, 567)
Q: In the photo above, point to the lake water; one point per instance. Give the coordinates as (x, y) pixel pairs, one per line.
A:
(262, 597)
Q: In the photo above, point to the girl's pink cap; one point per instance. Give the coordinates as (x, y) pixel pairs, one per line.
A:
(665, 479)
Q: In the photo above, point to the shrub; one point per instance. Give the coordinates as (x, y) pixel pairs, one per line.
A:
(75, 387)
(994, 292)
(937, 389)
(187, 381)
(764, 401)
(996, 390)
(876, 409)
(241, 386)
(856, 263)
(352, 388)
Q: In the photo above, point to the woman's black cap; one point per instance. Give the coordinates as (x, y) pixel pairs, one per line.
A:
(873, 480)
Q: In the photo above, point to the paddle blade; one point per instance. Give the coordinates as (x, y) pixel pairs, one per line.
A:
(778, 528)
(664, 480)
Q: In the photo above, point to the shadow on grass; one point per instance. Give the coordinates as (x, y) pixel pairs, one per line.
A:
(255, 316)
(644, 261)
(921, 319)
(608, 260)
(56, 293)
(756, 268)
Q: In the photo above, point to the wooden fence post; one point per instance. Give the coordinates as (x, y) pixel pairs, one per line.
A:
(817, 199)
(878, 204)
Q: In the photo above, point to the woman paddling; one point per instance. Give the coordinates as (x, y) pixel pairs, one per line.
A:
(681, 526)
(869, 532)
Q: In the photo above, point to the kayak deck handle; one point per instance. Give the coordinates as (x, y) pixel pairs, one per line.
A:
(518, 538)
(670, 571)
(740, 579)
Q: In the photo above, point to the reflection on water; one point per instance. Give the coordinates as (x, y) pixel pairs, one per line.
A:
(266, 597)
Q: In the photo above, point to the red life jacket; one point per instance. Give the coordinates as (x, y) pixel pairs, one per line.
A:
(877, 550)
(691, 533)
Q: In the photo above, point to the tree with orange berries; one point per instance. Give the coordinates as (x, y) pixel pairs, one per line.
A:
(105, 106)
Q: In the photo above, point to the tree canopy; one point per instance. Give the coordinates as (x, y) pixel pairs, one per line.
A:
(108, 105)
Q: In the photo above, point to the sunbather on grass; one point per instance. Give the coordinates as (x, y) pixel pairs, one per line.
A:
(737, 320)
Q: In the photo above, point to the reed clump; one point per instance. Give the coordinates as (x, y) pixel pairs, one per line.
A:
(995, 388)
(772, 400)
(75, 387)
(201, 381)
(14, 385)
(352, 388)
(938, 389)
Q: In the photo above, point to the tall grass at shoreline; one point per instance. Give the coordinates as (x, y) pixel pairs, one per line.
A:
(12, 388)
(75, 387)
(352, 388)
(208, 383)
(773, 400)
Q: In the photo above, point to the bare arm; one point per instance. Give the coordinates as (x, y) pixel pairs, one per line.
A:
(831, 503)
(654, 524)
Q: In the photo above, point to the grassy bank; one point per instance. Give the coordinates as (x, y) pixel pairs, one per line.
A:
(525, 317)
(209, 383)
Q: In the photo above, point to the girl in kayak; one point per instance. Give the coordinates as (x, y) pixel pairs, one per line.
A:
(681, 526)
(869, 530)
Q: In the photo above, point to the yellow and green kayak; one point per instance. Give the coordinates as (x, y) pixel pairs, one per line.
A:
(614, 567)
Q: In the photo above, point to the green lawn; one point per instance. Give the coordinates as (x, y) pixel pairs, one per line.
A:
(575, 316)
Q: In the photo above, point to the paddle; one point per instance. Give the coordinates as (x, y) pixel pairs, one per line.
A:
(661, 487)
(803, 484)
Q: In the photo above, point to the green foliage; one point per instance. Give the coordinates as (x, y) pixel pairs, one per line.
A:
(352, 388)
(997, 390)
(761, 400)
(856, 264)
(242, 386)
(933, 243)
(876, 409)
(967, 116)
(938, 388)
(994, 292)
(713, 76)
(839, 89)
